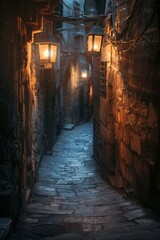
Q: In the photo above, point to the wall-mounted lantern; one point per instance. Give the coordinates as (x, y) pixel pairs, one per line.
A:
(47, 48)
(94, 40)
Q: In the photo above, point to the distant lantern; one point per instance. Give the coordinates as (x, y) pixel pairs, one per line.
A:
(84, 73)
(94, 40)
(47, 47)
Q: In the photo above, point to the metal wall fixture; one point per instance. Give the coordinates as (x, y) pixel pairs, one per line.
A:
(94, 40)
(48, 47)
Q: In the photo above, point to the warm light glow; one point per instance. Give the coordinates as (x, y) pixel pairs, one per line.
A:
(48, 47)
(90, 43)
(84, 74)
(97, 43)
(95, 47)
(74, 77)
(53, 53)
(94, 43)
(44, 52)
(95, 39)
(48, 52)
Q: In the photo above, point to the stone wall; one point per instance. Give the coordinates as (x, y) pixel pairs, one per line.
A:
(22, 96)
(15, 106)
(128, 116)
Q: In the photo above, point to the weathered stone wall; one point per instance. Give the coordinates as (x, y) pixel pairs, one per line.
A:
(16, 106)
(128, 116)
(37, 89)
(22, 117)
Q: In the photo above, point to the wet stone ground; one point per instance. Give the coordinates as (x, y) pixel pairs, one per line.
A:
(70, 200)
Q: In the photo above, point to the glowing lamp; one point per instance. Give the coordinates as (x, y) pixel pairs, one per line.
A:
(48, 53)
(94, 40)
(84, 73)
(47, 47)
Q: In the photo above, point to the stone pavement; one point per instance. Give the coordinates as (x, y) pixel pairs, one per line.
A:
(5, 227)
(70, 200)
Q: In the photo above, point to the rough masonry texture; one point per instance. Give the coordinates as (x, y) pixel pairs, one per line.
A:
(127, 120)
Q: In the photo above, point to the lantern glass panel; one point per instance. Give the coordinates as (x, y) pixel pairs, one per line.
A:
(44, 52)
(97, 43)
(90, 40)
(53, 53)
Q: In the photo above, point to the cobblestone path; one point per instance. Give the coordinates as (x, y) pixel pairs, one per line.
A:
(70, 200)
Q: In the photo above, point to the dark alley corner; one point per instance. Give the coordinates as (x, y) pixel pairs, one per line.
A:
(80, 120)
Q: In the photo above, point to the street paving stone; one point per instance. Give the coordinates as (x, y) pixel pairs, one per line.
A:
(70, 193)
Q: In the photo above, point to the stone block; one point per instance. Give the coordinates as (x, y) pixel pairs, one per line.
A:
(123, 169)
(138, 167)
(143, 110)
(118, 96)
(121, 132)
(136, 144)
(126, 135)
(130, 175)
(68, 126)
(119, 179)
(127, 155)
(109, 107)
(123, 116)
(109, 155)
(103, 117)
(115, 110)
(103, 102)
(118, 117)
(107, 134)
(119, 82)
(110, 122)
(116, 126)
(115, 61)
(132, 120)
(152, 117)
(110, 92)
(121, 150)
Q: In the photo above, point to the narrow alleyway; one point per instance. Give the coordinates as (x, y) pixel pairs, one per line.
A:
(71, 201)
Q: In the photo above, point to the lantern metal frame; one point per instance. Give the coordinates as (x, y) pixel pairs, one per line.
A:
(48, 47)
(95, 40)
